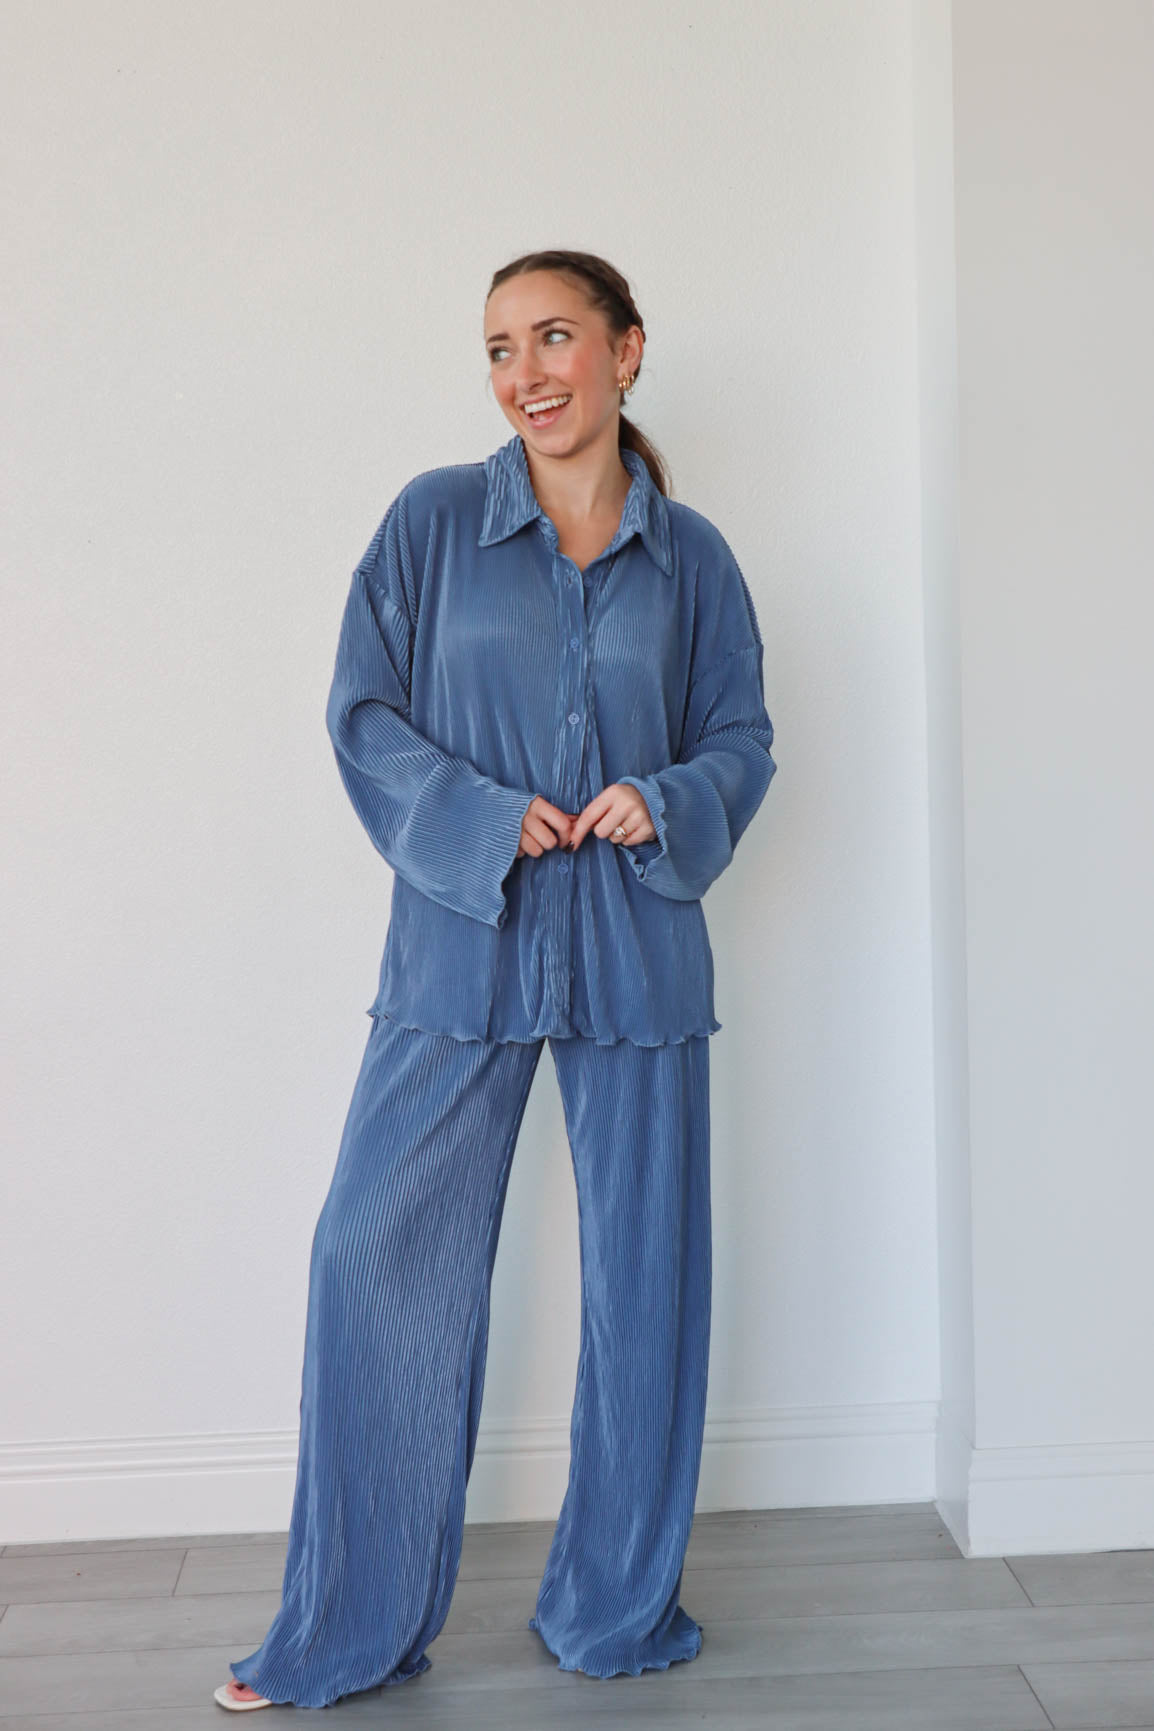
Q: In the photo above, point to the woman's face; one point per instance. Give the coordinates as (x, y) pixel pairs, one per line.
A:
(544, 340)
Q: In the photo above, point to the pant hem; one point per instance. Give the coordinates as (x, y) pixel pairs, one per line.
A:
(623, 1670)
(402, 1674)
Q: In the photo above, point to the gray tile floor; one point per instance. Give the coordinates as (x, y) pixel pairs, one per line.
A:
(858, 1619)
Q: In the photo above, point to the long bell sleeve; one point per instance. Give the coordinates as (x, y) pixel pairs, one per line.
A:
(449, 830)
(701, 804)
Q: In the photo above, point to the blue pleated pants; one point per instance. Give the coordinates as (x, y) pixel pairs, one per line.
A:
(394, 1360)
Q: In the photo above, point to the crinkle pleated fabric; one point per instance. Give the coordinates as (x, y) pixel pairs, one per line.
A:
(395, 1348)
(477, 667)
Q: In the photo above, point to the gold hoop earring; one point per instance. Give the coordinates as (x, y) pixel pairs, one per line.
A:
(626, 384)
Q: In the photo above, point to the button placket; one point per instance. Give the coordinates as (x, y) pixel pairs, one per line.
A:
(587, 752)
(575, 736)
(573, 753)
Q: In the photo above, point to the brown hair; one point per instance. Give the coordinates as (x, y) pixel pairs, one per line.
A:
(607, 290)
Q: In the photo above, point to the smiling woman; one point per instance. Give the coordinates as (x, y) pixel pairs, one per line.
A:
(584, 347)
(543, 411)
(547, 709)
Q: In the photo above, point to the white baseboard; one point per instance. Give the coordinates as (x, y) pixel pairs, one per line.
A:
(996, 1502)
(242, 1482)
(1035, 1500)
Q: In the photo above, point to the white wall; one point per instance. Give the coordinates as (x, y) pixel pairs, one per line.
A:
(250, 249)
(941, 579)
(1055, 284)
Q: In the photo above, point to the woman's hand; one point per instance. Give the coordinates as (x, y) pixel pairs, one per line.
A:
(614, 805)
(542, 827)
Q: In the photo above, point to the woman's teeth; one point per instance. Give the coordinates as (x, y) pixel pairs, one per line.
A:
(547, 409)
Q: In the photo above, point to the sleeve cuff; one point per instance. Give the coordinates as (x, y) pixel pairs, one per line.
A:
(643, 854)
(512, 804)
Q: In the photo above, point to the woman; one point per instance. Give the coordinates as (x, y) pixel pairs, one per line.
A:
(548, 712)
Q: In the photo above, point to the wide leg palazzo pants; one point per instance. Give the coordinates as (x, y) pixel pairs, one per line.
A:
(394, 1360)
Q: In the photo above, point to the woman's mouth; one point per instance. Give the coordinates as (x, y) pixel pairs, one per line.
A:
(551, 408)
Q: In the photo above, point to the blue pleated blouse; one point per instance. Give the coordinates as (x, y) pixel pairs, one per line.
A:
(477, 667)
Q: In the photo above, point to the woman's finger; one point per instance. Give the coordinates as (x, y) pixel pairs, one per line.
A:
(629, 812)
(550, 825)
(538, 833)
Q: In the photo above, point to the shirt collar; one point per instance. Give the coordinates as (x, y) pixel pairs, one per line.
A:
(510, 503)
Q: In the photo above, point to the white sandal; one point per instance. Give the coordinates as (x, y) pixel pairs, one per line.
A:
(234, 1706)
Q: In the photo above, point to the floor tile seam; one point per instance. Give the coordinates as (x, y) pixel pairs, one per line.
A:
(707, 1624)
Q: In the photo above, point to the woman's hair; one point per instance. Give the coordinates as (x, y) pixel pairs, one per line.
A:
(607, 290)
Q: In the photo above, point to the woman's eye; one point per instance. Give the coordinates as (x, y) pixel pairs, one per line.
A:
(496, 353)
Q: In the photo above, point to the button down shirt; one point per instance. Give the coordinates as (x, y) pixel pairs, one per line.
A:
(477, 667)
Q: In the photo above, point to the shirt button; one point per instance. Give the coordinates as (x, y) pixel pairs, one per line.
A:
(574, 718)
(564, 866)
(573, 642)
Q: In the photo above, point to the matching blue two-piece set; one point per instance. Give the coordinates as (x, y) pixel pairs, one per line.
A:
(477, 667)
